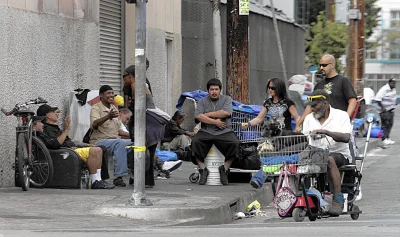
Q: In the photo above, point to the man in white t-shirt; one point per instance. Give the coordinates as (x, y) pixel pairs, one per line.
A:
(124, 115)
(387, 100)
(336, 125)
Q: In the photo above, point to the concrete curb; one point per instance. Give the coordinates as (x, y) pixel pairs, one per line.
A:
(221, 213)
(214, 214)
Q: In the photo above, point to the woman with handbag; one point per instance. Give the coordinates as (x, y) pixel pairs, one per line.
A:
(281, 109)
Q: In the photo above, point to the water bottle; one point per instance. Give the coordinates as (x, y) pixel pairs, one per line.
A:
(85, 179)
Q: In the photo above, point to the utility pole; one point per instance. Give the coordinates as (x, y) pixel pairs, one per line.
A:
(217, 39)
(355, 55)
(361, 47)
(237, 63)
(278, 40)
(330, 4)
(139, 196)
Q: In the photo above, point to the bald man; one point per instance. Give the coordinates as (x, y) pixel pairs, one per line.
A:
(338, 87)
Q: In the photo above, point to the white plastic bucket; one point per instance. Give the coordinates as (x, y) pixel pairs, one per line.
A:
(214, 160)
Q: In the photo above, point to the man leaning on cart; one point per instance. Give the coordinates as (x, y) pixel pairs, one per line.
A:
(336, 125)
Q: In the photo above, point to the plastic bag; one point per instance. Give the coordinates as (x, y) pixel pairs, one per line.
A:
(166, 155)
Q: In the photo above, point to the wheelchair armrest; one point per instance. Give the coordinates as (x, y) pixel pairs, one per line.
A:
(347, 168)
(360, 158)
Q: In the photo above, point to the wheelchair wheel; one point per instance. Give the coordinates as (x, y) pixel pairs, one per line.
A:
(298, 214)
(42, 164)
(194, 177)
(355, 208)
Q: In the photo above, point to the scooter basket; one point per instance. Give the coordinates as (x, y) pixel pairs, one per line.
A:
(296, 152)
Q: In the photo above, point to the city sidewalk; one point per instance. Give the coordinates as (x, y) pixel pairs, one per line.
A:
(176, 201)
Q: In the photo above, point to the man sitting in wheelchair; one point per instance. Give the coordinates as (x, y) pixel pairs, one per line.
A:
(336, 125)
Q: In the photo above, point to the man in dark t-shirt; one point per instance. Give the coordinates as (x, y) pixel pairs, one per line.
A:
(340, 90)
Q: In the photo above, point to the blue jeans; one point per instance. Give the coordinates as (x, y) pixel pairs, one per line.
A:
(259, 178)
(117, 148)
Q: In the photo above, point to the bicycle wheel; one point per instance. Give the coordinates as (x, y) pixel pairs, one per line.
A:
(23, 161)
(42, 164)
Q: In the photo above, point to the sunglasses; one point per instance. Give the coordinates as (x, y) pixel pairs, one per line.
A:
(316, 97)
(324, 64)
(272, 88)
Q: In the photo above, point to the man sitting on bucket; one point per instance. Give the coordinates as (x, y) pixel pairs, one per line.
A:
(336, 125)
(214, 112)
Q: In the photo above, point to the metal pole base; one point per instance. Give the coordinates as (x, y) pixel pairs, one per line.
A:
(139, 202)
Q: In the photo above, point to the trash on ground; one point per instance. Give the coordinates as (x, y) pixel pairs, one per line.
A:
(239, 215)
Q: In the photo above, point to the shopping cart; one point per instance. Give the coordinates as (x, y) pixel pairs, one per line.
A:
(302, 154)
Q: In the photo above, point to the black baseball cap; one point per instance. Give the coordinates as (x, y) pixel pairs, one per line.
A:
(392, 80)
(129, 71)
(45, 109)
(317, 96)
(38, 118)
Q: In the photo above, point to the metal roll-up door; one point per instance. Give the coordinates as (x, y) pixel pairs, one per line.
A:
(111, 43)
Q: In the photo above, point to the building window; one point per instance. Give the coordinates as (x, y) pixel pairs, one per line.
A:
(395, 55)
(371, 54)
(395, 19)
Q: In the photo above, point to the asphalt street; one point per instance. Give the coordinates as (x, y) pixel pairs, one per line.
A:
(380, 217)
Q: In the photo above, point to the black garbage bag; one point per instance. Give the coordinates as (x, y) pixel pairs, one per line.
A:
(248, 158)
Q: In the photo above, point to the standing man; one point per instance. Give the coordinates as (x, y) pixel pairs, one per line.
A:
(214, 112)
(387, 100)
(340, 90)
(104, 119)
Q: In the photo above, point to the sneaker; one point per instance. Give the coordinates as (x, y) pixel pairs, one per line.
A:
(98, 184)
(131, 181)
(254, 184)
(119, 182)
(223, 174)
(171, 165)
(203, 176)
(108, 185)
(386, 142)
(391, 142)
(337, 205)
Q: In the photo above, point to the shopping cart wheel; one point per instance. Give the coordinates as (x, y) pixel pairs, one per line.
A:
(194, 177)
(355, 208)
(298, 214)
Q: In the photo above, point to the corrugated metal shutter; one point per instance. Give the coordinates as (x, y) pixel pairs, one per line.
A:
(111, 43)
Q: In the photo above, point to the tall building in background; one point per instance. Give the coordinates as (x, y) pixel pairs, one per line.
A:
(383, 56)
(306, 11)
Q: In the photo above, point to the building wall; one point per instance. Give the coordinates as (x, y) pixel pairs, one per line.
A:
(265, 61)
(382, 64)
(163, 22)
(48, 48)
